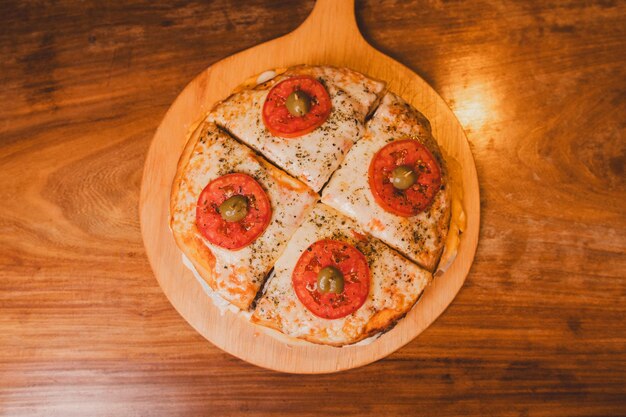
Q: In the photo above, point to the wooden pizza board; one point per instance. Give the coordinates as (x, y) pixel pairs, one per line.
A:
(329, 36)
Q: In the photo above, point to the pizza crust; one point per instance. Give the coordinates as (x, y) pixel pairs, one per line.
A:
(192, 247)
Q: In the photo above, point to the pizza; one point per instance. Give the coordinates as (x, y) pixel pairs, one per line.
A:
(379, 285)
(308, 147)
(397, 144)
(232, 213)
(314, 201)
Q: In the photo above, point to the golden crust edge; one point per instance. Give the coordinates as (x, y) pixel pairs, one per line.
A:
(457, 220)
(203, 267)
(189, 244)
(381, 322)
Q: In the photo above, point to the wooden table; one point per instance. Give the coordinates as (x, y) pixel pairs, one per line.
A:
(539, 327)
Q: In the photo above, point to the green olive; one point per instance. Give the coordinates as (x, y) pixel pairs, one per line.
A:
(234, 209)
(298, 103)
(330, 279)
(403, 177)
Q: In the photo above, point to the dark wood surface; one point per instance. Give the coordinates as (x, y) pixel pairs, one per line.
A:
(539, 329)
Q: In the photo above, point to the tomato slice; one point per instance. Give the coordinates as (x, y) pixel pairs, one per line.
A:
(352, 264)
(232, 235)
(277, 118)
(419, 196)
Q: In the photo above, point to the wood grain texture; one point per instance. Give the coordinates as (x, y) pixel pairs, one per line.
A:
(329, 36)
(539, 326)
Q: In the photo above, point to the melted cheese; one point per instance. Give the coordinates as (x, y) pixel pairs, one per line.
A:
(420, 237)
(238, 275)
(313, 157)
(395, 285)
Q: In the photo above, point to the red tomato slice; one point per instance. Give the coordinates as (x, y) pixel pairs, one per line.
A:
(418, 197)
(232, 235)
(352, 265)
(277, 118)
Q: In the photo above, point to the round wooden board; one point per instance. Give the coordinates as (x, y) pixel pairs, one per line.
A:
(329, 36)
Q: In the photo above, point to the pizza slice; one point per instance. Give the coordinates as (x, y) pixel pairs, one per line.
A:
(232, 212)
(303, 120)
(394, 183)
(335, 285)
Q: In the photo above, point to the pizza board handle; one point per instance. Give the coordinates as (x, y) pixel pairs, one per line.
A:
(331, 23)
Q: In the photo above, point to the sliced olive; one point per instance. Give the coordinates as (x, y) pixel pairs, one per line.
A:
(403, 177)
(330, 279)
(234, 208)
(298, 103)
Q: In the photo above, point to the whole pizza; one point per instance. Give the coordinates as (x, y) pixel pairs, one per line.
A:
(316, 202)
